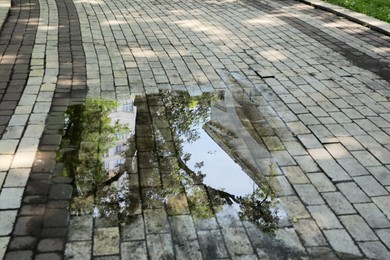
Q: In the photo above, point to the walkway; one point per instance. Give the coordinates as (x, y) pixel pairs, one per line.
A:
(298, 97)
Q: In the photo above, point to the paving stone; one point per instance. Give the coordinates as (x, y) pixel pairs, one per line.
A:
(156, 221)
(308, 194)
(56, 218)
(294, 207)
(212, 244)
(321, 182)
(350, 143)
(60, 191)
(106, 241)
(237, 241)
(309, 141)
(3, 246)
(383, 202)
(358, 228)
(23, 254)
(280, 186)
(51, 244)
(80, 228)
(133, 229)
(27, 226)
(8, 146)
(352, 167)
(382, 154)
(283, 158)
(54, 256)
(370, 186)
(10, 198)
(342, 242)
(324, 252)
(374, 217)
(295, 175)
(188, 250)
(78, 250)
(160, 246)
(306, 163)
(294, 148)
(309, 233)
(324, 217)
(329, 165)
(384, 235)
(17, 178)
(365, 158)
(374, 250)
(339, 204)
(5, 162)
(134, 250)
(23, 243)
(182, 228)
(352, 192)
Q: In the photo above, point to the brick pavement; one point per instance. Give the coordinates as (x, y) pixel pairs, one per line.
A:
(320, 84)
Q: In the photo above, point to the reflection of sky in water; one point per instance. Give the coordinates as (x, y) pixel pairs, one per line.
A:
(221, 171)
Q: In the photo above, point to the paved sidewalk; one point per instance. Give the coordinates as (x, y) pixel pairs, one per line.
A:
(308, 92)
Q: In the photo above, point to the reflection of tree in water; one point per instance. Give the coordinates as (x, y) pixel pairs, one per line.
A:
(186, 114)
(88, 133)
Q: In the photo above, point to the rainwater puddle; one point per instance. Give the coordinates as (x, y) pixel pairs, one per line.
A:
(180, 173)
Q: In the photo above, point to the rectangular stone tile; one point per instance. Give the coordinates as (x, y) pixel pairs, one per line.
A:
(295, 175)
(80, 228)
(237, 241)
(156, 221)
(367, 141)
(283, 158)
(295, 148)
(341, 242)
(339, 204)
(309, 141)
(212, 244)
(384, 235)
(338, 151)
(23, 159)
(374, 217)
(358, 228)
(8, 146)
(382, 154)
(280, 186)
(307, 163)
(2, 178)
(321, 182)
(294, 207)
(182, 228)
(134, 228)
(3, 246)
(308, 194)
(11, 198)
(309, 233)
(366, 158)
(374, 250)
(134, 250)
(352, 167)
(350, 143)
(329, 165)
(383, 203)
(5, 162)
(352, 192)
(188, 250)
(106, 241)
(17, 178)
(160, 246)
(324, 217)
(7, 221)
(370, 186)
(78, 250)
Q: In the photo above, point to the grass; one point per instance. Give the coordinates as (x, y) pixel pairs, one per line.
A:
(379, 9)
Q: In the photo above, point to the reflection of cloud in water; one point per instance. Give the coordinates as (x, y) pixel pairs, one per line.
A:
(220, 170)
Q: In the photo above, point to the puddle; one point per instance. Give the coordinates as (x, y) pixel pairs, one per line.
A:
(153, 163)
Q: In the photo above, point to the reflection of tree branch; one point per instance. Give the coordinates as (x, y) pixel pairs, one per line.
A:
(230, 198)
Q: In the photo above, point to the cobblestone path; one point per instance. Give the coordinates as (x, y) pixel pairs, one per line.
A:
(305, 92)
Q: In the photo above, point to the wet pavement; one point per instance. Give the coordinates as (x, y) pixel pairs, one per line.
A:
(192, 130)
